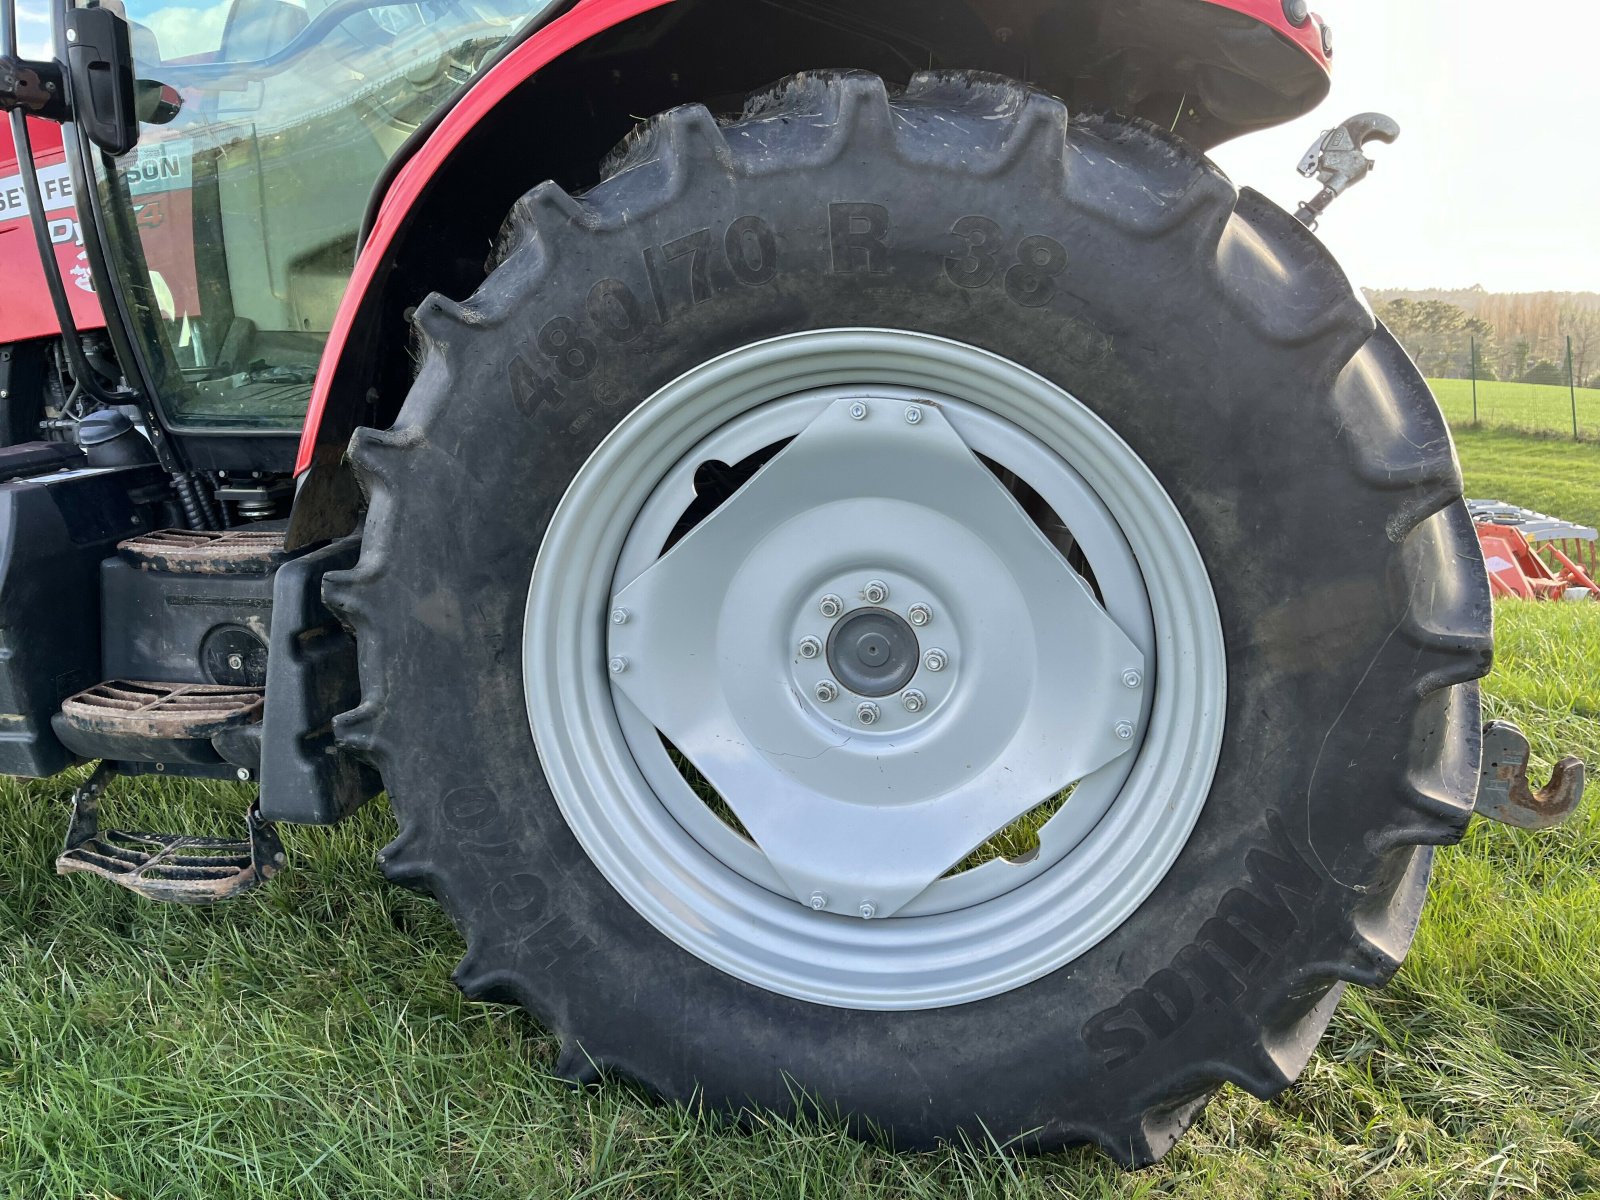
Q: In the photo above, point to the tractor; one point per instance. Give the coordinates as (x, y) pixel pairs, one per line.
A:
(810, 569)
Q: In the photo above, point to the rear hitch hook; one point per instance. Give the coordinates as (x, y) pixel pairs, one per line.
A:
(1338, 160)
(1504, 793)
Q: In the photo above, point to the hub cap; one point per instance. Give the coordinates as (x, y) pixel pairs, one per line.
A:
(948, 594)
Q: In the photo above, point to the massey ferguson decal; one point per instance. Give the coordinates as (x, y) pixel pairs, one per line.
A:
(159, 179)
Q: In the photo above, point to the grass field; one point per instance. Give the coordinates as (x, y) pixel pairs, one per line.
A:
(1523, 407)
(307, 1042)
(1558, 477)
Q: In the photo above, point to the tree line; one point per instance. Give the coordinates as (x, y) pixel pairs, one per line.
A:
(1518, 336)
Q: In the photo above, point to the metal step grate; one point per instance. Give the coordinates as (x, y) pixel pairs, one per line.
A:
(207, 552)
(163, 710)
(172, 867)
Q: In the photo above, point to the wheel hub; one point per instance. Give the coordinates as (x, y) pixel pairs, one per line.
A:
(872, 803)
(873, 652)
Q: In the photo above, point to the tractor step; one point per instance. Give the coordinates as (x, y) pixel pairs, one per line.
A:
(207, 552)
(177, 725)
(171, 867)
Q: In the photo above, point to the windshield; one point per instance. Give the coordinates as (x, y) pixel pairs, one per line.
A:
(265, 125)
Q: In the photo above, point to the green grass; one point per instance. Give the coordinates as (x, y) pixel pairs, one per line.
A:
(1523, 407)
(307, 1042)
(1561, 478)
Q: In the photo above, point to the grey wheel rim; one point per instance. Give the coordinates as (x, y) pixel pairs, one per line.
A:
(618, 634)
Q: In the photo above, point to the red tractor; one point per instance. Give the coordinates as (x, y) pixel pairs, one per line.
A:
(809, 573)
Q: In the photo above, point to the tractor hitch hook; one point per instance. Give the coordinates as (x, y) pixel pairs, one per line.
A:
(1338, 160)
(1504, 793)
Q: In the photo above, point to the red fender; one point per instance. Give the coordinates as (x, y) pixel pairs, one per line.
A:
(588, 19)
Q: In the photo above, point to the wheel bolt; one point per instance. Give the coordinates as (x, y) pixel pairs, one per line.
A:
(826, 692)
(867, 713)
(876, 591)
(1131, 678)
(868, 911)
(920, 614)
(619, 616)
(810, 647)
(618, 665)
(831, 606)
(858, 411)
(914, 701)
(913, 416)
(935, 660)
(1124, 731)
(818, 902)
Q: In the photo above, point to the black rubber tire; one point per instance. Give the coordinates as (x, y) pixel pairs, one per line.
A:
(1214, 334)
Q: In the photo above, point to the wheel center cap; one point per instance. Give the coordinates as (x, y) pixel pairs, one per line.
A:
(873, 652)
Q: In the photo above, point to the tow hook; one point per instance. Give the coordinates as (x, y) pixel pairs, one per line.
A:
(1504, 793)
(1339, 162)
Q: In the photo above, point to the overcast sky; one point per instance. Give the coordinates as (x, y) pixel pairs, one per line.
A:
(1496, 176)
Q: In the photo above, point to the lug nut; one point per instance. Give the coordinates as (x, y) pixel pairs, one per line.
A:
(935, 660)
(818, 902)
(920, 614)
(913, 416)
(858, 411)
(619, 616)
(810, 647)
(1124, 731)
(868, 911)
(831, 606)
(914, 701)
(618, 665)
(867, 713)
(1132, 678)
(876, 591)
(826, 692)
(235, 662)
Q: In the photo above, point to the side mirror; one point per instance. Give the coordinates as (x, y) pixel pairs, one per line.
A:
(100, 70)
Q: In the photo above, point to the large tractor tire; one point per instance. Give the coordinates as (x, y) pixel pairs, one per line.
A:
(791, 521)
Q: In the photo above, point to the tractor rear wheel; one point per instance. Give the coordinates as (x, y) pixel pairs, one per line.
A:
(918, 605)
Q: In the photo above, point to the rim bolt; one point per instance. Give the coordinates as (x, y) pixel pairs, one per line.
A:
(831, 606)
(876, 591)
(1124, 731)
(920, 614)
(913, 416)
(1131, 678)
(810, 647)
(619, 616)
(867, 713)
(858, 411)
(914, 701)
(935, 660)
(826, 692)
(618, 665)
(868, 911)
(818, 902)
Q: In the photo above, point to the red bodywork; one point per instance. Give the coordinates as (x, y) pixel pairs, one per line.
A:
(27, 312)
(163, 214)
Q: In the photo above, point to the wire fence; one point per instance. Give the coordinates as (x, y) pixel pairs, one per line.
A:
(1549, 397)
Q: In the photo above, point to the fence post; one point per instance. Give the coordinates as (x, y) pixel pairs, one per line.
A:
(1572, 386)
(1474, 383)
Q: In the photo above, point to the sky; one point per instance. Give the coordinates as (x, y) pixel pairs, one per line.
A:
(1496, 177)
